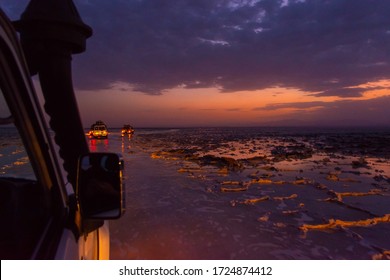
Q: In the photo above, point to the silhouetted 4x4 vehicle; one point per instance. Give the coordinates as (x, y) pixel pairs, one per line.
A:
(55, 197)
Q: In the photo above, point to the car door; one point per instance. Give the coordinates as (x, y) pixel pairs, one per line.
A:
(38, 208)
(44, 216)
(35, 209)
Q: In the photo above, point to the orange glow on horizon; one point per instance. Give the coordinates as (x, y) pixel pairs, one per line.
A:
(209, 106)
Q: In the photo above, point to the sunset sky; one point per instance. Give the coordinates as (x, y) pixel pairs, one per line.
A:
(178, 63)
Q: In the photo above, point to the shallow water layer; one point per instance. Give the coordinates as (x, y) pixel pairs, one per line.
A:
(247, 193)
(203, 194)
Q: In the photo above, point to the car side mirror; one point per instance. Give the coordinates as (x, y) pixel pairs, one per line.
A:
(100, 188)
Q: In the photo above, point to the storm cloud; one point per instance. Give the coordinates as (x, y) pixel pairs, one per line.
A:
(323, 47)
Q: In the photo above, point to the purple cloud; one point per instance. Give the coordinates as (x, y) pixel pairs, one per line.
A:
(154, 45)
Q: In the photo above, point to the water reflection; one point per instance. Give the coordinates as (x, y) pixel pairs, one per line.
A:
(240, 196)
(125, 145)
(98, 145)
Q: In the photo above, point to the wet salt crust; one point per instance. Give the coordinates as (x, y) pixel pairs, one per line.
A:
(255, 194)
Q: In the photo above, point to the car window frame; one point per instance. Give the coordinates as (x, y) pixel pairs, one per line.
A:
(29, 119)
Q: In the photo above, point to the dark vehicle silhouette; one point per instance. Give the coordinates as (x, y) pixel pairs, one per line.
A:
(57, 212)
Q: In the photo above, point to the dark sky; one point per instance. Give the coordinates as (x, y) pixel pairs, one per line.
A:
(336, 52)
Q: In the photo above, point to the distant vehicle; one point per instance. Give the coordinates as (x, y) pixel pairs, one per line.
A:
(127, 130)
(98, 130)
(51, 208)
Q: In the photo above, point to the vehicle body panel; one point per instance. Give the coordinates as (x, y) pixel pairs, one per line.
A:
(47, 224)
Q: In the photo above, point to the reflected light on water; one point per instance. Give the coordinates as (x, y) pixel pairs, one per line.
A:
(98, 145)
(125, 146)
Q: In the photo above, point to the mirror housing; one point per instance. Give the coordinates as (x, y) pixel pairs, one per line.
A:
(100, 189)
